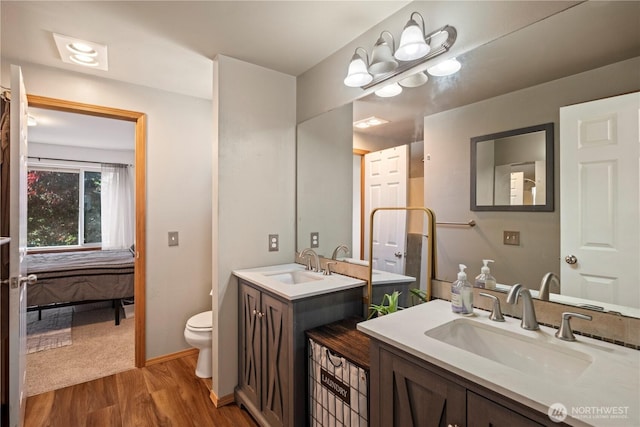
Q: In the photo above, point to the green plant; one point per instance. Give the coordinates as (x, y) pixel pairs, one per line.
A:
(388, 305)
(420, 294)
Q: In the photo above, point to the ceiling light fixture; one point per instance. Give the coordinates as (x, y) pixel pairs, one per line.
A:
(445, 68)
(81, 52)
(414, 80)
(413, 44)
(389, 90)
(407, 64)
(369, 122)
(382, 60)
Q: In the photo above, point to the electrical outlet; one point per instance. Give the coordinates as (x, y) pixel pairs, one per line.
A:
(273, 243)
(315, 239)
(511, 238)
(173, 238)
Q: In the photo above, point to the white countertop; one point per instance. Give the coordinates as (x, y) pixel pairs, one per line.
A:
(380, 277)
(262, 276)
(610, 383)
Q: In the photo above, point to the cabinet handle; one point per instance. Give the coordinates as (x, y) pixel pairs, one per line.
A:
(261, 315)
(254, 312)
(453, 425)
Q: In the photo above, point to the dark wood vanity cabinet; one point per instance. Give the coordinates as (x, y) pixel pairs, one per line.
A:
(264, 355)
(406, 391)
(272, 365)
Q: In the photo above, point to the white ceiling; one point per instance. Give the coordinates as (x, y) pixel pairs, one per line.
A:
(171, 44)
(80, 130)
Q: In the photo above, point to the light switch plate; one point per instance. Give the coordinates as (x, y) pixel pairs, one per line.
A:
(315, 239)
(173, 238)
(511, 238)
(273, 243)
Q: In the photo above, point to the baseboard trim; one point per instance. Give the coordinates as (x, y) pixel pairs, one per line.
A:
(172, 356)
(221, 401)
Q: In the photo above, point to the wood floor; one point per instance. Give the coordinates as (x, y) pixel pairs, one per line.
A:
(166, 394)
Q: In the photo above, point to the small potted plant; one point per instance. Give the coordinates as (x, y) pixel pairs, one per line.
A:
(388, 305)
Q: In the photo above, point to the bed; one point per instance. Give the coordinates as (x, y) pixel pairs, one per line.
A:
(71, 278)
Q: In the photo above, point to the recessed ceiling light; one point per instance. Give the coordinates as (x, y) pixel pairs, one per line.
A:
(81, 49)
(369, 122)
(81, 52)
(84, 60)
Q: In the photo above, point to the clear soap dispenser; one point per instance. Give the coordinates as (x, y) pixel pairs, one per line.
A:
(462, 294)
(485, 280)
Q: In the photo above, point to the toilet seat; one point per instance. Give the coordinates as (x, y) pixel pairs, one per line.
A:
(201, 322)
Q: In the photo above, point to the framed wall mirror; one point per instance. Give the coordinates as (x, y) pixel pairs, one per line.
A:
(513, 170)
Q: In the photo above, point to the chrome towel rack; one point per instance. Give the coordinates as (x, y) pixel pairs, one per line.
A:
(470, 223)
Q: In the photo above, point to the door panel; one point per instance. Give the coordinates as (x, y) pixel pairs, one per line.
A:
(17, 249)
(600, 199)
(386, 175)
(275, 359)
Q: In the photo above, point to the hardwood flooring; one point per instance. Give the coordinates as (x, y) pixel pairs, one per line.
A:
(166, 394)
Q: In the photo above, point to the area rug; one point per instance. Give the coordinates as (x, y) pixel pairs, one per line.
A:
(53, 331)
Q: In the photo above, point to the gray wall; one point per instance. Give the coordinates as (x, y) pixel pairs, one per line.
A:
(324, 164)
(253, 189)
(447, 180)
(178, 192)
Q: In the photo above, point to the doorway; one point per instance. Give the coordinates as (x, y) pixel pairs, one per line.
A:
(139, 119)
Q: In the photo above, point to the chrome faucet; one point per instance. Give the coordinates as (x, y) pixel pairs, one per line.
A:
(308, 253)
(543, 295)
(529, 321)
(565, 332)
(343, 248)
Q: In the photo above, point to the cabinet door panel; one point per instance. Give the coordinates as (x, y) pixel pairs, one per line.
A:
(482, 412)
(417, 397)
(250, 342)
(274, 361)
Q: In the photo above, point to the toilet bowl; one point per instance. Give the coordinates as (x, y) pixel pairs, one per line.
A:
(197, 333)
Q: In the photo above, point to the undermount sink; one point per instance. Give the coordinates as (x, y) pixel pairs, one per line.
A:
(294, 277)
(514, 350)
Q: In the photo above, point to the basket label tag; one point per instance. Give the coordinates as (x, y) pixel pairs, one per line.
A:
(335, 386)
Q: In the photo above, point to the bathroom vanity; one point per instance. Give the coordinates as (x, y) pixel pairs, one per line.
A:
(277, 304)
(428, 364)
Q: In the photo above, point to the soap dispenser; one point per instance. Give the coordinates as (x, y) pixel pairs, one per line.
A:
(485, 280)
(462, 294)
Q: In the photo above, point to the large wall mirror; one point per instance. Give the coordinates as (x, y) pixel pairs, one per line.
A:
(513, 170)
(501, 86)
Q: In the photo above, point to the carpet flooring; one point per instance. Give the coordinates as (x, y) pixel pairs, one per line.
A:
(53, 330)
(99, 348)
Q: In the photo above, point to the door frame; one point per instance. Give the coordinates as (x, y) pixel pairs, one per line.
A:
(140, 200)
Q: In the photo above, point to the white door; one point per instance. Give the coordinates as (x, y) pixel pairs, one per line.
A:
(600, 203)
(386, 186)
(17, 249)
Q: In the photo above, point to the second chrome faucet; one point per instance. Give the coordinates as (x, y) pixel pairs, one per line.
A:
(529, 320)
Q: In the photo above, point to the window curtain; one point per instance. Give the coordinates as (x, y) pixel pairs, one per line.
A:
(116, 200)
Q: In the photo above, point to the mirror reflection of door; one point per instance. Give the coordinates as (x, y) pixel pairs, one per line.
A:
(600, 199)
(386, 174)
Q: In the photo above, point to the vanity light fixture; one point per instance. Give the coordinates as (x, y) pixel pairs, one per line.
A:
(445, 68)
(81, 52)
(413, 44)
(389, 90)
(369, 122)
(387, 66)
(358, 74)
(382, 60)
(414, 80)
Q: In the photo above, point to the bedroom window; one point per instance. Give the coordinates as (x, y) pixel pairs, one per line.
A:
(63, 207)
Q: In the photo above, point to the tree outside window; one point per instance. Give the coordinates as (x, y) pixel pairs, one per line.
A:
(54, 215)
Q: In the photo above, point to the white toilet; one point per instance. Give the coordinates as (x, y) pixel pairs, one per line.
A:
(198, 334)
